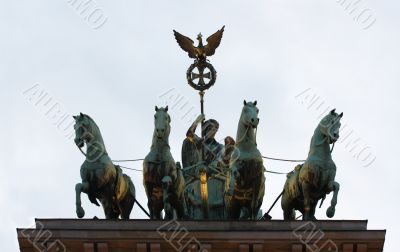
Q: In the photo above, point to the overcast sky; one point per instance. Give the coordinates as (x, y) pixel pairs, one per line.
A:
(118, 59)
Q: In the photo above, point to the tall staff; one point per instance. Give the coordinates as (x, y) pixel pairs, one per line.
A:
(201, 75)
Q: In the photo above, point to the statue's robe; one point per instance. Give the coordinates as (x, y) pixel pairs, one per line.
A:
(216, 206)
(191, 155)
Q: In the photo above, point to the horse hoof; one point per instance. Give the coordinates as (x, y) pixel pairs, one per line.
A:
(80, 212)
(330, 212)
(309, 218)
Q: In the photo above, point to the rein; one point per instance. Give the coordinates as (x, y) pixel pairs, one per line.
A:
(242, 137)
(83, 153)
(192, 166)
(255, 135)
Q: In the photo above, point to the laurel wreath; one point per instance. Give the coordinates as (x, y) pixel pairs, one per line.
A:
(205, 65)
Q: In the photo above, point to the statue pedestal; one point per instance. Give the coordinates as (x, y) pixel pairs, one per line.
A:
(86, 235)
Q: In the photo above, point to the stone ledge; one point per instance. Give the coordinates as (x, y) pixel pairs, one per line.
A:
(90, 235)
(141, 224)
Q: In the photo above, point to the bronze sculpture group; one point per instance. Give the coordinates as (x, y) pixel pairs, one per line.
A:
(215, 182)
(232, 175)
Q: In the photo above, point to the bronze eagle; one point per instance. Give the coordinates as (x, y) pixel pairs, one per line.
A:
(201, 51)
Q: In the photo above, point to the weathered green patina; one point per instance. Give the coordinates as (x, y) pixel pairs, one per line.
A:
(205, 183)
(311, 181)
(162, 177)
(247, 181)
(101, 179)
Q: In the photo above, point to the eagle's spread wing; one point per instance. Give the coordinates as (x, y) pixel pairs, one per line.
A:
(186, 44)
(213, 42)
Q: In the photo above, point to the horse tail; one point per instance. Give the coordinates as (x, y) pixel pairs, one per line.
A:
(131, 186)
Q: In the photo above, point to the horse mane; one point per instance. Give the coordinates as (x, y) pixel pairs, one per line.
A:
(92, 121)
(93, 127)
(88, 117)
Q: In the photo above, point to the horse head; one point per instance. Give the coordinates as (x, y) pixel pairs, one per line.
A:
(249, 116)
(83, 130)
(330, 125)
(162, 122)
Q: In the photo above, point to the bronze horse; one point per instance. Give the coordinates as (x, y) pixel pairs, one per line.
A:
(162, 178)
(247, 181)
(310, 182)
(101, 179)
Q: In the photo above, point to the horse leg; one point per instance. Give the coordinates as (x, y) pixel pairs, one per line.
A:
(155, 206)
(79, 188)
(313, 205)
(289, 214)
(235, 209)
(258, 195)
(306, 187)
(168, 202)
(169, 211)
(333, 186)
(110, 213)
(158, 209)
(232, 180)
(111, 209)
(150, 203)
(253, 209)
(128, 201)
(151, 209)
(245, 212)
(288, 210)
(180, 207)
(126, 206)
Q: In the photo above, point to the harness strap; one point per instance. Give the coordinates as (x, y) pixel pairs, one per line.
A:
(83, 153)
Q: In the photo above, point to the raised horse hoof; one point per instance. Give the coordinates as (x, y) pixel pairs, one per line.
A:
(330, 212)
(80, 212)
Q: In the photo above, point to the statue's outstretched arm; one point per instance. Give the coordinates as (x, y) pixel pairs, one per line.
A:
(191, 131)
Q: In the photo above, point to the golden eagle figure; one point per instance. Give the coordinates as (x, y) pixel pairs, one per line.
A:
(200, 52)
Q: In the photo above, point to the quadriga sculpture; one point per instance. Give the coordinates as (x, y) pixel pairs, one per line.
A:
(162, 177)
(101, 179)
(311, 181)
(247, 180)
